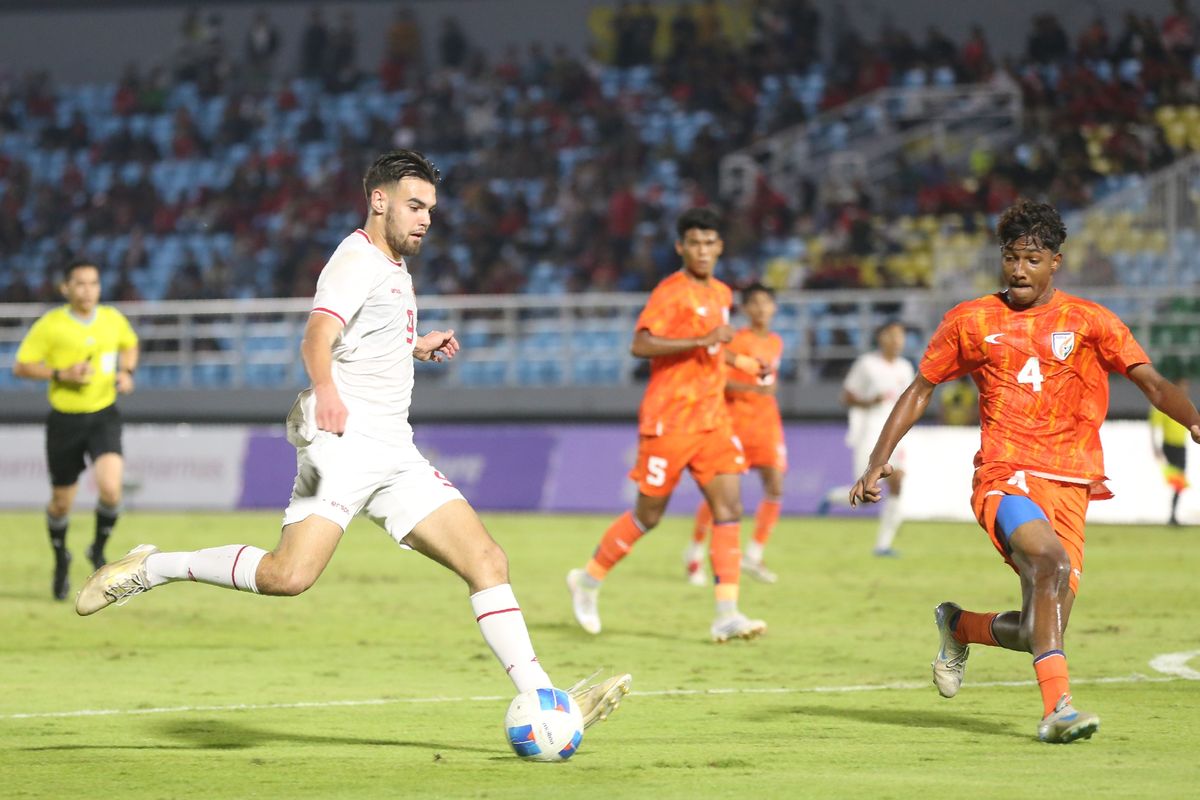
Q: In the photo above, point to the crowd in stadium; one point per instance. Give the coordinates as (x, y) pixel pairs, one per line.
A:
(223, 172)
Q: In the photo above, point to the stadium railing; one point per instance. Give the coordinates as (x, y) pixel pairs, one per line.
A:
(563, 340)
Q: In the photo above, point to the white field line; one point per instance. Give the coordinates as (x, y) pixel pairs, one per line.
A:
(384, 701)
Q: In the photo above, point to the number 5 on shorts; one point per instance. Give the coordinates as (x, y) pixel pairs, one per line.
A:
(656, 471)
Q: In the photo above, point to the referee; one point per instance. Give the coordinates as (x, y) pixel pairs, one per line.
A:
(88, 353)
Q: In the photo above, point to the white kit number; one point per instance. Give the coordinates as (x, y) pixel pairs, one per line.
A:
(1031, 373)
(657, 467)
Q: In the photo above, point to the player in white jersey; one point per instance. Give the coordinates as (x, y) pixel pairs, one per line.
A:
(354, 446)
(871, 388)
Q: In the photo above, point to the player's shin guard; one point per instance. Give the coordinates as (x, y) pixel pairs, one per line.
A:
(726, 554)
(1051, 669)
(106, 520)
(234, 566)
(503, 627)
(57, 528)
(614, 545)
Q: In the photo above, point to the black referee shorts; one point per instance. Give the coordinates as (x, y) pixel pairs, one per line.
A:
(1176, 456)
(70, 436)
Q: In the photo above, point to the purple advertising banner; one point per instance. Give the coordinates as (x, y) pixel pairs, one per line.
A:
(571, 468)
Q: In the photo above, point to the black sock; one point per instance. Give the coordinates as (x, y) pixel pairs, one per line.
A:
(57, 526)
(1174, 506)
(106, 519)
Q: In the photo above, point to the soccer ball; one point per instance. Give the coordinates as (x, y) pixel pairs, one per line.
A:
(544, 725)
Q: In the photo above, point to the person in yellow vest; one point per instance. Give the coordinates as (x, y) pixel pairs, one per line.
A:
(1170, 447)
(88, 352)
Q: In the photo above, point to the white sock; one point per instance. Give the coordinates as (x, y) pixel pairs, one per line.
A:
(753, 552)
(503, 627)
(889, 523)
(233, 566)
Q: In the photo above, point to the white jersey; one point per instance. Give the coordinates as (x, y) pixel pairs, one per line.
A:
(873, 376)
(373, 297)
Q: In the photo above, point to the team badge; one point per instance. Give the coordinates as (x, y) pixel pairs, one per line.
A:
(1062, 344)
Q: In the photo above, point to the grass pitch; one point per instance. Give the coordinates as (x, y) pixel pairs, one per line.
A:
(377, 684)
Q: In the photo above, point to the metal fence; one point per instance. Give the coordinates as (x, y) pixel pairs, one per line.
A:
(571, 340)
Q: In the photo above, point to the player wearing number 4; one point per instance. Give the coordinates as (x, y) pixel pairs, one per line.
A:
(683, 424)
(354, 444)
(1041, 359)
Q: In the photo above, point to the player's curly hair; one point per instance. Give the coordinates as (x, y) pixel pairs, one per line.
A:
(704, 219)
(396, 165)
(1038, 222)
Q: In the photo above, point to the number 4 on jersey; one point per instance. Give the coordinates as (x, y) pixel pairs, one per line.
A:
(1031, 373)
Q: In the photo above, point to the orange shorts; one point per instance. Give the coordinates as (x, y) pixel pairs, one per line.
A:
(661, 459)
(762, 444)
(1065, 505)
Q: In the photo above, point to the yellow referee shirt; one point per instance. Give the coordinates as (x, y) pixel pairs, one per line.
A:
(60, 340)
(1172, 432)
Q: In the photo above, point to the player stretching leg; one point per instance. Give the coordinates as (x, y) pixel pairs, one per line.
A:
(355, 450)
(1041, 359)
(683, 423)
(870, 390)
(758, 426)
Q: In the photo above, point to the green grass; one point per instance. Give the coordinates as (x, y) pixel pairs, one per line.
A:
(387, 625)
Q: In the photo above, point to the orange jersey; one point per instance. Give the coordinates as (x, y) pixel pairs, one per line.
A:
(686, 390)
(1042, 375)
(747, 408)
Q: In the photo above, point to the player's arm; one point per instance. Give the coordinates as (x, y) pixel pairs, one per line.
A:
(908, 409)
(1166, 397)
(316, 349)
(647, 345)
(127, 361)
(436, 346)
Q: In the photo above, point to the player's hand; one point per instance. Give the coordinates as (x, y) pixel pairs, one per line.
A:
(722, 334)
(867, 489)
(331, 411)
(124, 382)
(1195, 431)
(436, 346)
(77, 374)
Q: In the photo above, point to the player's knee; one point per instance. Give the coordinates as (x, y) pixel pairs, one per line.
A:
(648, 518)
(492, 566)
(58, 508)
(293, 583)
(727, 510)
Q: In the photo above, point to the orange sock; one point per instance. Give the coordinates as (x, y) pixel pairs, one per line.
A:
(614, 545)
(974, 628)
(703, 523)
(725, 550)
(765, 519)
(1051, 669)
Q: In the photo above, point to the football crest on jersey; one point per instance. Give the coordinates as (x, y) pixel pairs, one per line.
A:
(1062, 344)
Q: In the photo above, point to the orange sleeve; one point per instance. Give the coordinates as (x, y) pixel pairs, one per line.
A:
(1115, 345)
(659, 315)
(946, 358)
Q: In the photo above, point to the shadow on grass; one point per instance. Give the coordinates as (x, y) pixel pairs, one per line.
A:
(573, 628)
(214, 734)
(908, 718)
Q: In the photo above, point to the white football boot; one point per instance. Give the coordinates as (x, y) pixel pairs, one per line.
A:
(737, 626)
(115, 582)
(951, 660)
(585, 601)
(1066, 724)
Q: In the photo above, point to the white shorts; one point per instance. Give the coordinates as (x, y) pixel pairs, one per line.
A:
(862, 457)
(338, 477)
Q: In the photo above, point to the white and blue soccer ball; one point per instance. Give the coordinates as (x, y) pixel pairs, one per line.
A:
(544, 725)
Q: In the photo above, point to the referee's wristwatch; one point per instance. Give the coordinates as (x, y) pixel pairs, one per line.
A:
(54, 375)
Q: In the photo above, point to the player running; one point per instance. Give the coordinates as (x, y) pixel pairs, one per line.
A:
(870, 390)
(88, 353)
(1041, 359)
(683, 424)
(758, 426)
(355, 448)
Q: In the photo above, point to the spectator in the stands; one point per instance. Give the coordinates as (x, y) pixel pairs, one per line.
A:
(453, 45)
(261, 47)
(314, 45)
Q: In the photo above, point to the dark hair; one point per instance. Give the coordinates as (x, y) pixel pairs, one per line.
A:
(1038, 222)
(396, 165)
(705, 219)
(888, 323)
(755, 288)
(77, 263)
